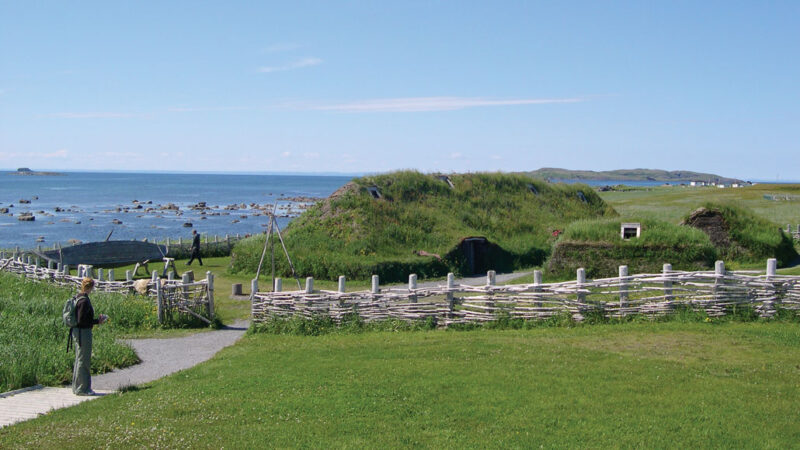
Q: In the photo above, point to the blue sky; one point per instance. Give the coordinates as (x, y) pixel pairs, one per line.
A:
(375, 86)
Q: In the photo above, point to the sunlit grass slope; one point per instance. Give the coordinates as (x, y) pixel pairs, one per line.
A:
(356, 235)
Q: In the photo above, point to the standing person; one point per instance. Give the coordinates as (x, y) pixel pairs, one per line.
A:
(195, 249)
(82, 336)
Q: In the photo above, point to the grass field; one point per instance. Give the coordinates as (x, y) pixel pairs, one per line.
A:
(673, 203)
(672, 384)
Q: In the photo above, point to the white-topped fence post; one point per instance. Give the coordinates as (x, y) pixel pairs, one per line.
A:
(537, 285)
(278, 286)
(309, 285)
(159, 298)
(623, 286)
(376, 288)
(451, 283)
(210, 280)
(412, 287)
(342, 284)
(491, 278)
(666, 271)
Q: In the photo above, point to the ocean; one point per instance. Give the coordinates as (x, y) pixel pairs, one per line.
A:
(91, 205)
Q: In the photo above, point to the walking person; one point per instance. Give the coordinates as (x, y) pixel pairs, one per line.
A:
(195, 249)
(82, 336)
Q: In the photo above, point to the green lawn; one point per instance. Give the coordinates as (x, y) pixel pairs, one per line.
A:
(673, 203)
(669, 384)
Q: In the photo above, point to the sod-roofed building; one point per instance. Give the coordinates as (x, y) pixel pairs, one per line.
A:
(429, 224)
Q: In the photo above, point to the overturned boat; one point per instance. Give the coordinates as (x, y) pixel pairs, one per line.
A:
(106, 253)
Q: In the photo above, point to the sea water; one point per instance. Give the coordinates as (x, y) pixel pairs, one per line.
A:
(90, 202)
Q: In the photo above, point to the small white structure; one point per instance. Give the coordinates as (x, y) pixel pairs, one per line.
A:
(630, 230)
(697, 183)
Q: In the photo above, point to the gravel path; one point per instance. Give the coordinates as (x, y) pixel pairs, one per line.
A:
(161, 357)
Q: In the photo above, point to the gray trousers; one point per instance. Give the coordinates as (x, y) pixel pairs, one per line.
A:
(82, 372)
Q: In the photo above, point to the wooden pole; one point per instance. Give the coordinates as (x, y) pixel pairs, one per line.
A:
(623, 286)
(159, 298)
(666, 270)
(210, 279)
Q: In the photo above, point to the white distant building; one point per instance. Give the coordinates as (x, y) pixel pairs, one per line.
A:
(721, 185)
(735, 185)
(697, 183)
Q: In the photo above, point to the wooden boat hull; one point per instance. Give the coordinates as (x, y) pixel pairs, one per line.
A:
(107, 253)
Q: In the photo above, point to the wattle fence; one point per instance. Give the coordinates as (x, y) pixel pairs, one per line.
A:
(715, 292)
(171, 296)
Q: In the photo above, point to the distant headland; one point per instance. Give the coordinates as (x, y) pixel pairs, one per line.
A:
(676, 176)
(27, 171)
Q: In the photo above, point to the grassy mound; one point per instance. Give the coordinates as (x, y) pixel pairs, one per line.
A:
(726, 232)
(740, 235)
(354, 234)
(596, 245)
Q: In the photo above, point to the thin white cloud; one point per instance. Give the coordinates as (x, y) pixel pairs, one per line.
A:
(95, 115)
(60, 154)
(281, 47)
(297, 64)
(456, 155)
(420, 104)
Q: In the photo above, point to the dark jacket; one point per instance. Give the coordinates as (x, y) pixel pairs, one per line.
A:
(196, 243)
(85, 312)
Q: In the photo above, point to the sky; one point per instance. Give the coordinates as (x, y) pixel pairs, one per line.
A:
(375, 86)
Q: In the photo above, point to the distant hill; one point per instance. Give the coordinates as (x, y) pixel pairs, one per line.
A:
(676, 176)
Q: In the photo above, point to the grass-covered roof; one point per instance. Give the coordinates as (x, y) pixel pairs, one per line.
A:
(353, 233)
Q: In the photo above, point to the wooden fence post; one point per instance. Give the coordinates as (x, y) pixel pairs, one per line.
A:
(375, 285)
(185, 288)
(159, 298)
(278, 287)
(623, 286)
(210, 280)
(341, 284)
(412, 286)
(772, 267)
(666, 270)
(100, 273)
(128, 275)
(719, 274)
(451, 282)
(537, 285)
(581, 280)
(253, 288)
(491, 278)
(309, 285)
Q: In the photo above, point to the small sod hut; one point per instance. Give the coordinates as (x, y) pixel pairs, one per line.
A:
(408, 222)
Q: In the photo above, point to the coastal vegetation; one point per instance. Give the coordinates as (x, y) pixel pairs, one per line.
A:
(407, 222)
(686, 382)
(712, 232)
(33, 337)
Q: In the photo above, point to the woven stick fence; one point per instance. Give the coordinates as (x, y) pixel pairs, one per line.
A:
(715, 292)
(172, 296)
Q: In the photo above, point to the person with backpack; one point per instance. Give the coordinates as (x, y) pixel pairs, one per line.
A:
(82, 336)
